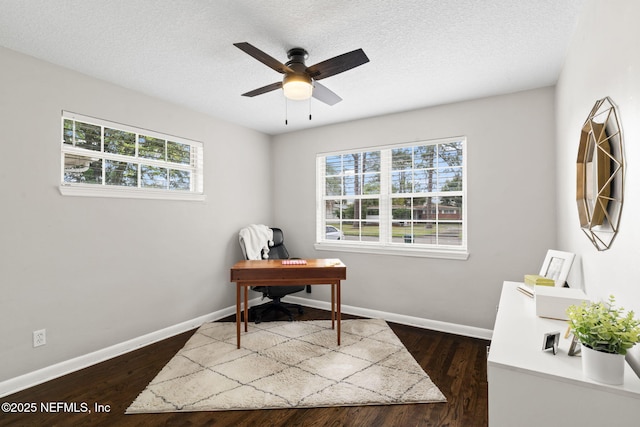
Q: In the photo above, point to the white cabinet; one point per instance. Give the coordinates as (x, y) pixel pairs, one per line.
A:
(530, 387)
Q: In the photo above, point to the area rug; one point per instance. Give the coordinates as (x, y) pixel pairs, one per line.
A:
(288, 365)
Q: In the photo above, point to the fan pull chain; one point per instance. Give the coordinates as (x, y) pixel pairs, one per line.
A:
(309, 108)
(286, 112)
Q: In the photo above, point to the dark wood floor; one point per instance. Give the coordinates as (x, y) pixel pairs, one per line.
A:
(456, 364)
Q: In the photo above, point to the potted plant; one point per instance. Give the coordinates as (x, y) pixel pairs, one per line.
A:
(606, 333)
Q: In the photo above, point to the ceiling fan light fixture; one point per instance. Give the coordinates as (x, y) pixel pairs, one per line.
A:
(297, 87)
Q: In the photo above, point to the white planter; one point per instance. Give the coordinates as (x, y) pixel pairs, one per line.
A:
(605, 368)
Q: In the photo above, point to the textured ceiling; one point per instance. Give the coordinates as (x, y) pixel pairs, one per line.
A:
(422, 52)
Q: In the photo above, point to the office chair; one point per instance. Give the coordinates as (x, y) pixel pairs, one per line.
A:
(275, 293)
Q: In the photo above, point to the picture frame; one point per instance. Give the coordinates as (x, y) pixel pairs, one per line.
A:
(550, 341)
(574, 347)
(556, 266)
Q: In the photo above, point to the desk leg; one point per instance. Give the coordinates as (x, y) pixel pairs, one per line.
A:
(339, 311)
(246, 308)
(238, 320)
(333, 306)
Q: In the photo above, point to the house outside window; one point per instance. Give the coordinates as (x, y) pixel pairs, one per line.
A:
(106, 159)
(407, 199)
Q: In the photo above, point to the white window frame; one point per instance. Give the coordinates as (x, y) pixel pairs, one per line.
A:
(386, 245)
(196, 166)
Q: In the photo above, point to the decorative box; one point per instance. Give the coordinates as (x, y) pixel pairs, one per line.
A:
(537, 280)
(552, 301)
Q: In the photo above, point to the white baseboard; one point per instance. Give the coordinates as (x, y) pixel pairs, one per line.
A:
(435, 325)
(40, 376)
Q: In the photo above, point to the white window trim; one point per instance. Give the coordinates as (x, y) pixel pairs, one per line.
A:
(112, 191)
(398, 249)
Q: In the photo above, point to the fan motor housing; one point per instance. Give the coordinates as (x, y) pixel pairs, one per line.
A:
(297, 56)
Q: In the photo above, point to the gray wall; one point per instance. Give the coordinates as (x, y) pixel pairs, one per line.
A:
(93, 271)
(617, 76)
(599, 64)
(511, 187)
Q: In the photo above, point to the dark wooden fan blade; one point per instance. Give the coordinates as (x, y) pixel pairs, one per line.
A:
(264, 89)
(267, 60)
(337, 65)
(324, 94)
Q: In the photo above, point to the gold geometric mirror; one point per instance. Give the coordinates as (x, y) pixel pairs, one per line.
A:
(600, 174)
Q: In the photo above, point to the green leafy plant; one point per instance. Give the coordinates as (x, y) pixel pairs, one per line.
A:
(603, 327)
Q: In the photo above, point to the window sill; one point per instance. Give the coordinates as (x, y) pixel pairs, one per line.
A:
(454, 254)
(128, 193)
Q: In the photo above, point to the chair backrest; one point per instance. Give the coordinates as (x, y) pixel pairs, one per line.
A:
(278, 250)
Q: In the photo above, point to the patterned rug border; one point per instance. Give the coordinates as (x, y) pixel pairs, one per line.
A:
(210, 374)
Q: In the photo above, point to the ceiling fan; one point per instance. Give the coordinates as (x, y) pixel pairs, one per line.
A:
(301, 82)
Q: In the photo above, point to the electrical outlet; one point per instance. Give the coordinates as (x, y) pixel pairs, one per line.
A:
(39, 337)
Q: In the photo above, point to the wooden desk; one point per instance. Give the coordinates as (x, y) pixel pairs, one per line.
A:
(275, 273)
